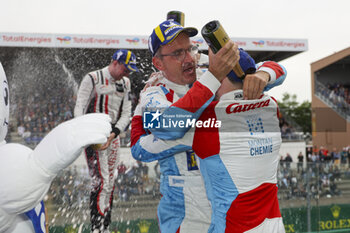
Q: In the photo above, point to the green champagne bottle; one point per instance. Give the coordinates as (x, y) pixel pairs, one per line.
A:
(216, 37)
(178, 16)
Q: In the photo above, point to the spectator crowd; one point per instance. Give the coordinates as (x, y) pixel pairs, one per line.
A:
(37, 114)
(320, 168)
(337, 94)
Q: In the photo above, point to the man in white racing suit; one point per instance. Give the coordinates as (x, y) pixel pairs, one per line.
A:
(26, 174)
(106, 91)
(184, 206)
(238, 160)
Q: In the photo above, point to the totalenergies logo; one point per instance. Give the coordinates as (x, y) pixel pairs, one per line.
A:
(134, 41)
(197, 42)
(65, 39)
(259, 43)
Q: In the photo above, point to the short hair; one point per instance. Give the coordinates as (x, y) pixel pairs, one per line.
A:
(158, 53)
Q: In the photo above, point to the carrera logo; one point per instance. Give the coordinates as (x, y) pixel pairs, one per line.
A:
(236, 107)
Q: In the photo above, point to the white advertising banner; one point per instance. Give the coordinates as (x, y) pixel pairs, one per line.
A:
(137, 42)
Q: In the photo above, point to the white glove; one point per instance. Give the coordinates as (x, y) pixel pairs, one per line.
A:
(26, 175)
(5, 220)
(66, 142)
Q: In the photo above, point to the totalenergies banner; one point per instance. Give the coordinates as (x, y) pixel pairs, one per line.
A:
(137, 42)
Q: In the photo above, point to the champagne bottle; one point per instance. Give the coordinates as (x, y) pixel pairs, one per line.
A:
(216, 37)
(178, 16)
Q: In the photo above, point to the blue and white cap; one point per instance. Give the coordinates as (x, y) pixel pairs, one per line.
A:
(166, 32)
(127, 57)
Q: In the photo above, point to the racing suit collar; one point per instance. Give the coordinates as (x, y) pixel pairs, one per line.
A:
(108, 75)
(178, 89)
(233, 95)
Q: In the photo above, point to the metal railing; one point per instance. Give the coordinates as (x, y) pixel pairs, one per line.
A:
(337, 103)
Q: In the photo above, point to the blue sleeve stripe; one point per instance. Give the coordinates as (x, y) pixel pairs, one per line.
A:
(139, 153)
(278, 81)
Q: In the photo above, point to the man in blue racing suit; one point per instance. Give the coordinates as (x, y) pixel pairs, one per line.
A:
(184, 206)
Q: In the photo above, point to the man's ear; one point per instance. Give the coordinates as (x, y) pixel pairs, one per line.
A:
(114, 63)
(157, 62)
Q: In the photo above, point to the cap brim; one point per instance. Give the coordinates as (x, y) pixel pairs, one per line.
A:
(189, 31)
(132, 68)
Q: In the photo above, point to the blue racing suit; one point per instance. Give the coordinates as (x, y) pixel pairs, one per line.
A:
(184, 206)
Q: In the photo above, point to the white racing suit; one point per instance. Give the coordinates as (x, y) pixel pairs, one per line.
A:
(99, 92)
(239, 163)
(238, 160)
(184, 206)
